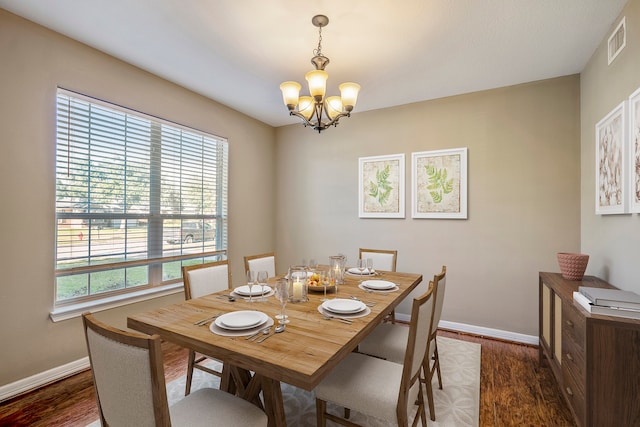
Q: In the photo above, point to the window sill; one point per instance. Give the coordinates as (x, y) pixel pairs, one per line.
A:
(76, 310)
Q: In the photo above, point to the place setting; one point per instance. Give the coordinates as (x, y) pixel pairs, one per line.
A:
(256, 287)
(343, 309)
(379, 286)
(364, 268)
(241, 323)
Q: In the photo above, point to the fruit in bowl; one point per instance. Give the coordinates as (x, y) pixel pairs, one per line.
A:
(314, 280)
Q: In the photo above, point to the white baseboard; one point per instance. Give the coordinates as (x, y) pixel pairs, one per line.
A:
(482, 331)
(24, 385)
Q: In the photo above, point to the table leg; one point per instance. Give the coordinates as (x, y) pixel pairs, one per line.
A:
(273, 403)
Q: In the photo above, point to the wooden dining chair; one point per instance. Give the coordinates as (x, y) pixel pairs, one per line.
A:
(130, 387)
(377, 387)
(262, 262)
(387, 341)
(384, 260)
(200, 280)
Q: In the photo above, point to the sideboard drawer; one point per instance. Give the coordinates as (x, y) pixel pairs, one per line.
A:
(574, 325)
(574, 391)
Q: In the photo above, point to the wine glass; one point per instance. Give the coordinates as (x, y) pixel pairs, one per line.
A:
(323, 277)
(262, 281)
(313, 264)
(361, 265)
(251, 280)
(282, 295)
(370, 265)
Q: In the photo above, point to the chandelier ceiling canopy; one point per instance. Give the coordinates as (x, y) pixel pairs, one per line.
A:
(318, 111)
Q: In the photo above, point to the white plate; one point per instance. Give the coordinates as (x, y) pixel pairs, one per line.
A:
(378, 284)
(255, 291)
(344, 306)
(365, 272)
(244, 319)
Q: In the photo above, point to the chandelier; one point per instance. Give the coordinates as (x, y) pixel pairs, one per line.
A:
(316, 111)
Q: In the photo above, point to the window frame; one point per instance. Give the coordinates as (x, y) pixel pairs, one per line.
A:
(156, 252)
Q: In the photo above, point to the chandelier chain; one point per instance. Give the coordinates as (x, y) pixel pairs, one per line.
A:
(318, 51)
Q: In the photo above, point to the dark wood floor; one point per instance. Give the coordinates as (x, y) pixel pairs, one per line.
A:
(514, 391)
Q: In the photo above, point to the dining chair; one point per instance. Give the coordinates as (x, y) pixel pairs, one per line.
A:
(387, 341)
(381, 388)
(130, 387)
(262, 262)
(200, 280)
(384, 260)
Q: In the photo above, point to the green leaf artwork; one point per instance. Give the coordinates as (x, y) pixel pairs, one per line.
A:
(438, 183)
(381, 189)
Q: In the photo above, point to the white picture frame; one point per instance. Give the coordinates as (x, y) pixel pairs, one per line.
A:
(381, 189)
(634, 151)
(439, 184)
(611, 162)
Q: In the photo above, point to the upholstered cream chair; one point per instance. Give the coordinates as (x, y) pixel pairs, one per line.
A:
(130, 387)
(200, 280)
(263, 262)
(384, 260)
(387, 341)
(377, 387)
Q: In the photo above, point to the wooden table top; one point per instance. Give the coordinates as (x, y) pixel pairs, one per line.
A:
(302, 355)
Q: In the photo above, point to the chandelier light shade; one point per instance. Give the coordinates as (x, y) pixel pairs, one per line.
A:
(317, 110)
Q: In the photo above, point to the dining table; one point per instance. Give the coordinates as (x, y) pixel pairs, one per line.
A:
(309, 348)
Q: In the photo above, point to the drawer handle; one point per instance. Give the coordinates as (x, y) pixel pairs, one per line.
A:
(570, 323)
(569, 357)
(569, 391)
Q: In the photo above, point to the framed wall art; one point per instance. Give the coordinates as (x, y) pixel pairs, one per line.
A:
(439, 184)
(634, 150)
(611, 162)
(381, 186)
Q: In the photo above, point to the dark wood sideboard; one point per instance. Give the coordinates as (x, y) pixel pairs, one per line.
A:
(595, 359)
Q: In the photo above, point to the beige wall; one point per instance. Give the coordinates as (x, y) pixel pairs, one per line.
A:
(34, 61)
(524, 195)
(612, 241)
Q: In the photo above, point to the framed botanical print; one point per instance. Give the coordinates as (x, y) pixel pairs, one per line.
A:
(381, 186)
(611, 162)
(634, 150)
(439, 184)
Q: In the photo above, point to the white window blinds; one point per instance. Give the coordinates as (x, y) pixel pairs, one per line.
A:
(137, 197)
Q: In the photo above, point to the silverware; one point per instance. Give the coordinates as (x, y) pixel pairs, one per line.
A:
(262, 331)
(329, 317)
(368, 304)
(277, 330)
(206, 320)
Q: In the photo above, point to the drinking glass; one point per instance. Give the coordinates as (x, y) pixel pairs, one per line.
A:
(262, 281)
(313, 264)
(370, 265)
(282, 295)
(323, 279)
(251, 280)
(361, 265)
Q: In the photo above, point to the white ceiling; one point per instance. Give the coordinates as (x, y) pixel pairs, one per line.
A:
(238, 52)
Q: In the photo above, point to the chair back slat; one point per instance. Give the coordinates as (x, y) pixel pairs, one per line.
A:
(207, 278)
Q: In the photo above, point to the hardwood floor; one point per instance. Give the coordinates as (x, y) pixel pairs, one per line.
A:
(514, 391)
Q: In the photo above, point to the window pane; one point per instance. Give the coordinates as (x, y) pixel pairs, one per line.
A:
(131, 187)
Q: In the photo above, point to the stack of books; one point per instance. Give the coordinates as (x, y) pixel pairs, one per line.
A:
(609, 302)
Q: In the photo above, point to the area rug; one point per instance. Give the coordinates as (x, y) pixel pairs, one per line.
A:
(457, 404)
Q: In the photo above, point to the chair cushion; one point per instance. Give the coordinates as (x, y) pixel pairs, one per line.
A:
(387, 341)
(211, 407)
(367, 385)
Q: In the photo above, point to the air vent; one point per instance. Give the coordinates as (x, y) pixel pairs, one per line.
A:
(617, 40)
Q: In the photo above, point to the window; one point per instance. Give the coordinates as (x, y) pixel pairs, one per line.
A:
(136, 198)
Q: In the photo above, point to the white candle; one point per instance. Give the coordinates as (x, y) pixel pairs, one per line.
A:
(297, 290)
